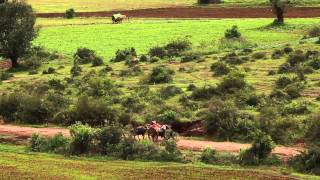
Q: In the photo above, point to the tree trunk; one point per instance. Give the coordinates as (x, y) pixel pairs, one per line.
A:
(14, 62)
(280, 17)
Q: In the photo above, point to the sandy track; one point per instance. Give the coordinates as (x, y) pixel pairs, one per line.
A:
(199, 12)
(26, 132)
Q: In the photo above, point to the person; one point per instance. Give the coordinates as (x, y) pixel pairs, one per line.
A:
(155, 125)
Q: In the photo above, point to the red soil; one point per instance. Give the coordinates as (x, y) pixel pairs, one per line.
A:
(199, 12)
(26, 132)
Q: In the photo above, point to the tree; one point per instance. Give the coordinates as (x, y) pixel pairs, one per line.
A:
(3, 1)
(278, 7)
(17, 20)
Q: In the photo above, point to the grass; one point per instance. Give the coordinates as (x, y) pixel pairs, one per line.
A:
(46, 6)
(16, 163)
(66, 36)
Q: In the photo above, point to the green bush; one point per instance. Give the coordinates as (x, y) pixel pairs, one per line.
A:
(220, 68)
(5, 75)
(56, 84)
(190, 57)
(81, 138)
(168, 117)
(232, 33)
(287, 50)
(157, 51)
(232, 58)
(296, 58)
(161, 74)
(208, 156)
(232, 83)
(277, 54)
(176, 47)
(283, 81)
(204, 93)
(9, 105)
(144, 58)
(260, 150)
(297, 108)
(171, 152)
(315, 63)
(285, 68)
(170, 91)
(124, 55)
(294, 90)
(108, 138)
(259, 55)
(70, 13)
(97, 61)
(57, 144)
(314, 31)
(126, 149)
(75, 70)
(36, 143)
(50, 70)
(307, 162)
(84, 55)
(313, 130)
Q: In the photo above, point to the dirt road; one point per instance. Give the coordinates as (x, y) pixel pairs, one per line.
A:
(199, 12)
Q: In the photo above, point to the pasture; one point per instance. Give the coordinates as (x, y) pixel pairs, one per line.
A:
(49, 6)
(99, 34)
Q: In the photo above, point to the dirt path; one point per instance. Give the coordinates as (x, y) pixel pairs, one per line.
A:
(200, 12)
(26, 132)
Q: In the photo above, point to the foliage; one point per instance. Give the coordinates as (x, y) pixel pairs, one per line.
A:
(168, 117)
(124, 55)
(84, 56)
(161, 74)
(208, 156)
(232, 33)
(232, 83)
(313, 130)
(220, 68)
(81, 138)
(70, 13)
(108, 138)
(36, 143)
(17, 21)
(307, 162)
(170, 91)
(314, 32)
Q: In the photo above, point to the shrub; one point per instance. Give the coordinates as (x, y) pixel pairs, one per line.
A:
(97, 61)
(287, 50)
(157, 51)
(170, 91)
(176, 47)
(70, 13)
(307, 162)
(168, 117)
(57, 144)
(208, 156)
(171, 153)
(204, 93)
(232, 33)
(50, 70)
(154, 59)
(9, 105)
(126, 149)
(260, 150)
(32, 62)
(277, 54)
(84, 56)
(234, 44)
(220, 68)
(315, 63)
(36, 143)
(272, 72)
(259, 55)
(108, 138)
(161, 74)
(297, 108)
(190, 57)
(5, 75)
(294, 90)
(232, 58)
(296, 58)
(313, 130)
(144, 58)
(248, 98)
(132, 71)
(191, 87)
(81, 138)
(232, 83)
(125, 54)
(314, 31)
(147, 150)
(75, 70)
(283, 81)
(56, 84)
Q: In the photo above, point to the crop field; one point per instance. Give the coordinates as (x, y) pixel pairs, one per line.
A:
(47, 6)
(65, 36)
(16, 163)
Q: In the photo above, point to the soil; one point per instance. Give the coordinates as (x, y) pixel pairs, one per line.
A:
(25, 132)
(199, 12)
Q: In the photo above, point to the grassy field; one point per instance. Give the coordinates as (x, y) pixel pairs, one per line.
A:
(16, 163)
(45, 6)
(66, 36)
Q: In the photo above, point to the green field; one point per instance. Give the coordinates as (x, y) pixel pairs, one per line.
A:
(16, 163)
(45, 6)
(66, 36)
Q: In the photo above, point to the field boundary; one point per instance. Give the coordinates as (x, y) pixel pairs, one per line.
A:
(199, 12)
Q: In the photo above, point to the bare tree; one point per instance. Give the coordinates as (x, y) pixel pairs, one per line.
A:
(278, 7)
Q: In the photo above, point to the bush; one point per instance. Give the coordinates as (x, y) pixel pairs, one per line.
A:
(277, 54)
(260, 150)
(190, 57)
(285, 68)
(234, 44)
(296, 58)
(272, 72)
(297, 108)
(81, 138)
(144, 58)
(161, 74)
(126, 149)
(125, 55)
(56, 84)
(232, 33)
(315, 63)
(294, 90)
(208, 156)
(171, 153)
(70, 13)
(132, 71)
(9, 105)
(36, 143)
(176, 47)
(233, 59)
(84, 55)
(287, 50)
(5, 76)
(97, 61)
(57, 144)
(157, 51)
(168, 117)
(307, 162)
(170, 91)
(313, 130)
(314, 32)
(204, 93)
(232, 83)
(259, 55)
(108, 138)
(50, 70)
(220, 68)
(75, 70)
(283, 81)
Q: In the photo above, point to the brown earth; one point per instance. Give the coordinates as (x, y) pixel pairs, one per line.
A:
(199, 12)
(195, 145)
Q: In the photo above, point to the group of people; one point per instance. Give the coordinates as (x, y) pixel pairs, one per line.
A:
(154, 131)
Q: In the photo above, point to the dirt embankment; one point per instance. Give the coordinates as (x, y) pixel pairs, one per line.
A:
(199, 12)
(195, 145)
